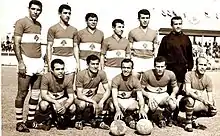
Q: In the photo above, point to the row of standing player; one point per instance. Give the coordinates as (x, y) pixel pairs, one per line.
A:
(64, 42)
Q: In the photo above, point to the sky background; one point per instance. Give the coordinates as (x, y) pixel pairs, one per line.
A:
(108, 10)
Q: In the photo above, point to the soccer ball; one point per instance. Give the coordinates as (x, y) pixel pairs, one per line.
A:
(144, 126)
(118, 127)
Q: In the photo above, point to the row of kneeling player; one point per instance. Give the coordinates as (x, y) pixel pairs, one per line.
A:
(128, 98)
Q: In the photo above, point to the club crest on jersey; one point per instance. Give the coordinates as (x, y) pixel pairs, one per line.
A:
(55, 95)
(123, 94)
(118, 53)
(89, 93)
(63, 42)
(36, 38)
(145, 45)
(92, 46)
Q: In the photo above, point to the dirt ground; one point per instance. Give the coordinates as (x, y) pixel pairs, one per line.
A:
(9, 90)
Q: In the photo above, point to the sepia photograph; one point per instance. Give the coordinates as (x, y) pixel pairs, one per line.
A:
(110, 67)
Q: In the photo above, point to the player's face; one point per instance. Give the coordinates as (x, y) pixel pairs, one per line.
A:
(201, 66)
(65, 15)
(160, 68)
(94, 66)
(126, 69)
(144, 20)
(58, 70)
(177, 25)
(119, 29)
(34, 11)
(92, 22)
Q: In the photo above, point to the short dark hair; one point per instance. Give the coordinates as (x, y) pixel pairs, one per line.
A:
(143, 11)
(53, 62)
(175, 18)
(64, 6)
(127, 61)
(159, 59)
(200, 57)
(117, 21)
(35, 2)
(88, 15)
(92, 57)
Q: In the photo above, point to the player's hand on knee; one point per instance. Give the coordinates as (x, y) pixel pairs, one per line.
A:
(207, 103)
(22, 68)
(171, 100)
(153, 104)
(118, 115)
(62, 110)
(57, 106)
(142, 114)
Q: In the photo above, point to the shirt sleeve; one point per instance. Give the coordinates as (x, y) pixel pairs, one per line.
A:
(130, 37)
(77, 38)
(188, 77)
(19, 28)
(50, 35)
(104, 47)
(209, 87)
(136, 85)
(69, 86)
(144, 79)
(128, 49)
(173, 80)
(79, 80)
(115, 82)
(104, 79)
(44, 83)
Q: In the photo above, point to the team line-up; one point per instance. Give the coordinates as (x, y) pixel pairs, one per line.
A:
(138, 76)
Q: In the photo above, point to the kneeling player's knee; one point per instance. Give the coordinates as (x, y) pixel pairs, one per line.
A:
(172, 107)
(72, 108)
(81, 105)
(212, 112)
(44, 105)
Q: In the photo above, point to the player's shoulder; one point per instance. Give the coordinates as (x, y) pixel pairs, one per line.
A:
(207, 77)
(190, 72)
(134, 30)
(68, 78)
(22, 21)
(169, 72)
(125, 39)
(152, 31)
(100, 31)
(73, 28)
(47, 76)
(82, 72)
(117, 78)
(148, 72)
(81, 31)
(101, 73)
(108, 38)
(54, 27)
(134, 78)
